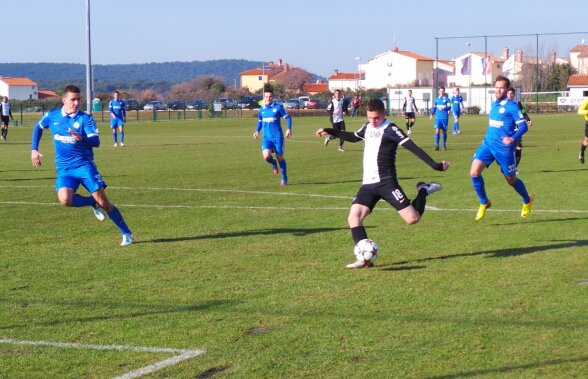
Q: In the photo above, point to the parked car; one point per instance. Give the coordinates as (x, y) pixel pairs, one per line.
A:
(154, 105)
(249, 102)
(198, 104)
(294, 104)
(315, 104)
(33, 109)
(176, 105)
(132, 105)
(304, 101)
(226, 102)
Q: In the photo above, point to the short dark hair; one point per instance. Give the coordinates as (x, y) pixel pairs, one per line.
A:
(511, 89)
(70, 89)
(269, 90)
(501, 78)
(376, 105)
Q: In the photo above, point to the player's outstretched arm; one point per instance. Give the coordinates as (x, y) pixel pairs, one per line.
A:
(413, 148)
(346, 136)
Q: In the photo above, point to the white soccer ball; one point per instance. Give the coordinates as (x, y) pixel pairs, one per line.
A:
(366, 250)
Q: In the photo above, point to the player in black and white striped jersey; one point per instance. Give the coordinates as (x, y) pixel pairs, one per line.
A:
(382, 138)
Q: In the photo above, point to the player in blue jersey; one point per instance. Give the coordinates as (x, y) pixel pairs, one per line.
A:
(440, 110)
(118, 117)
(272, 141)
(74, 135)
(499, 146)
(456, 108)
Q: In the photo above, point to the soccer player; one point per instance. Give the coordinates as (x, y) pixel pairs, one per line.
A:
(336, 111)
(382, 138)
(519, 142)
(268, 122)
(456, 108)
(74, 135)
(440, 110)
(583, 110)
(410, 109)
(118, 117)
(499, 146)
(5, 116)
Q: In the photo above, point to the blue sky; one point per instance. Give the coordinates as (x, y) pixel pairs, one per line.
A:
(318, 36)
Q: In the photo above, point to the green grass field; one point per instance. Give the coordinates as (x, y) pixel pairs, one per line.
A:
(227, 261)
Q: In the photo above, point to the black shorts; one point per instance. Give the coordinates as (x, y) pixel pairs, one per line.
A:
(409, 115)
(389, 190)
(5, 120)
(586, 130)
(339, 125)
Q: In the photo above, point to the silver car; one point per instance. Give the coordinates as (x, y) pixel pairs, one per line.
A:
(155, 105)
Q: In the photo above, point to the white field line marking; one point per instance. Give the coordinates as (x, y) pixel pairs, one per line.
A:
(183, 354)
(208, 190)
(268, 193)
(383, 208)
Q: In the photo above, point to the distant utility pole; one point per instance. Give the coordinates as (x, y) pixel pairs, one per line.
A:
(88, 62)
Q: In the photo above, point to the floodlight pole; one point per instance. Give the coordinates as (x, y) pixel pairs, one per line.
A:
(88, 62)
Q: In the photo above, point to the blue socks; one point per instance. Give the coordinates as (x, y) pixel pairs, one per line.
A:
(114, 137)
(478, 183)
(122, 137)
(272, 161)
(283, 169)
(118, 220)
(81, 201)
(519, 186)
(436, 140)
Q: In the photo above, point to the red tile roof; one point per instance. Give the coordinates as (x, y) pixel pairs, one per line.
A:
(347, 76)
(45, 93)
(578, 80)
(316, 87)
(18, 81)
(410, 54)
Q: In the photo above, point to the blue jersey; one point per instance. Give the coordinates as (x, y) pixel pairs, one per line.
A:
(69, 153)
(505, 120)
(441, 108)
(268, 121)
(456, 104)
(118, 108)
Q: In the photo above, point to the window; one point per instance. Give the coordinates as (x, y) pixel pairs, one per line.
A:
(260, 77)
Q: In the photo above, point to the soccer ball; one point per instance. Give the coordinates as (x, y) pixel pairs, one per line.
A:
(366, 250)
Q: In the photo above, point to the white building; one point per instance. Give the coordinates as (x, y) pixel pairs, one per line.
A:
(19, 88)
(397, 68)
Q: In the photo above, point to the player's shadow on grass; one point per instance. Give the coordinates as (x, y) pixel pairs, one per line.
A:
(26, 179)
(558, 171)
(501, 253)
(536, 221)
(110, 311)
(512, 369)
(245, 233)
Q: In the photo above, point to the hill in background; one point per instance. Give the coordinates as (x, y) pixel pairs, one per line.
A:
(136, 76)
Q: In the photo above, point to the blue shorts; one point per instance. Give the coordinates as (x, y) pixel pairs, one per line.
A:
(456, 114)
(505, 159)
(87, 175)
(116, 122)
(441, 124)
(277, 146)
